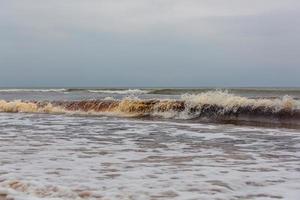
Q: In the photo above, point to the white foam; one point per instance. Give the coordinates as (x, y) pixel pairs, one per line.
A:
(129, 91)
(57, 157)
(231, 102)
(33, 90)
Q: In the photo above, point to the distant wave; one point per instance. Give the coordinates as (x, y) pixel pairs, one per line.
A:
(258, 91)
(63, 90)
(129, 91)
(253, 92)
(33, 90)
(216, 106)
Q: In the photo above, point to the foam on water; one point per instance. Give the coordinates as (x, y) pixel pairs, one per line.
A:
(61, 157)
(94, 155)
(28, 107)
(217, 106)
(129, 91)
(231, 102)
(16, 90)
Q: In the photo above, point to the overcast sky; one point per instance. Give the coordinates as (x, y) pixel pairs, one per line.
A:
(63, 43)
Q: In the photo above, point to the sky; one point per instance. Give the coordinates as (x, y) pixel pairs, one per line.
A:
(149, 43)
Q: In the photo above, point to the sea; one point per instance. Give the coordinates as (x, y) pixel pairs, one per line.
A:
(149, 143)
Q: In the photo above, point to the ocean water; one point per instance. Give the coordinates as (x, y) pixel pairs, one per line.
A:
(69, 144)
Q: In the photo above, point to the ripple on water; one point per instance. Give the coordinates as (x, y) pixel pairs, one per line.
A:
(72, 157)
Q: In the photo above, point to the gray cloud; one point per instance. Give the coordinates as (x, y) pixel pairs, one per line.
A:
(149, 43)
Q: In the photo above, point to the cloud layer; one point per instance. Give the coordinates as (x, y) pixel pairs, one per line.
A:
(139, 42)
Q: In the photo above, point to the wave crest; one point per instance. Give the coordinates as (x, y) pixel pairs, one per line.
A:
(231, 102)
(129, 91)
(215, 105)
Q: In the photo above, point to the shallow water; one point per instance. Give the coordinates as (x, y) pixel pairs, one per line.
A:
(74, 156)
(47, 156)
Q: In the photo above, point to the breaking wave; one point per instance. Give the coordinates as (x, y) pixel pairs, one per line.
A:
(129, 91)
(215, 106)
